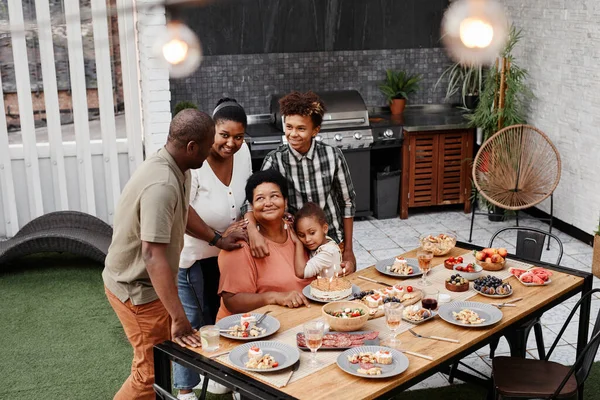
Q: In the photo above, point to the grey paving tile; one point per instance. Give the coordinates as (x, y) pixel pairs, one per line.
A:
(577, 247)
(565, 355)
(391, 222)
(416, 219)
(377, 243)
(431, 229)
(366, 234)
(585, 259)
(557, 315)
(387, 253)
(549, 338)
(363, 225)
(363, 259)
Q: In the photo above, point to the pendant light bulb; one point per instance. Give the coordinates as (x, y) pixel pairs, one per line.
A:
(178, 49)
(474, 31)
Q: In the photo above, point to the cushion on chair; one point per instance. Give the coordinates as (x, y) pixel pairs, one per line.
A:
(522, 377)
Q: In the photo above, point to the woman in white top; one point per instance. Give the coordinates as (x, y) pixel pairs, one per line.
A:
(216, 196)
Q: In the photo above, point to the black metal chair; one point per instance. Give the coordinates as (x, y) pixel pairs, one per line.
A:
(530, 246)
(516, 377)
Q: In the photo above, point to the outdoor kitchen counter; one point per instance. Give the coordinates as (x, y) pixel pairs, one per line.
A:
(425, 118)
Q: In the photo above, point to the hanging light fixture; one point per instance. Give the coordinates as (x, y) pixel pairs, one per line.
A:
(474, 31)
(178, 48)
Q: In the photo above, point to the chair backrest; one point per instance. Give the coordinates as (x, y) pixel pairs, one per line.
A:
(530, 242)
(517, 168)
(585, 359)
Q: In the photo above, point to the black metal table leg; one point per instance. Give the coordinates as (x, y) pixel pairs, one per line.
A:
(517, 341)
(162, 370)
(204, 388)
(584, 321)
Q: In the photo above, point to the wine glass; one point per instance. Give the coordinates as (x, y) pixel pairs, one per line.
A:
(424, 258)
(393, 318)
(313, 333)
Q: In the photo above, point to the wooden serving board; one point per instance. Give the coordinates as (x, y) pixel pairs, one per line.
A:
(408, 302)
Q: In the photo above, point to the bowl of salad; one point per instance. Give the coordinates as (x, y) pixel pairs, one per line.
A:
(345, 316)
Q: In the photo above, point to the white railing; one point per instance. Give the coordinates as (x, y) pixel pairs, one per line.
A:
(85, 175)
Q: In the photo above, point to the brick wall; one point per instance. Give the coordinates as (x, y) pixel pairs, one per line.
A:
(251, 78)
(561, 50)
(154, 79)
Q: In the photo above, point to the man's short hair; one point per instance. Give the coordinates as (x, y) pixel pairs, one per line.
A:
(305, 104)
(191, 125)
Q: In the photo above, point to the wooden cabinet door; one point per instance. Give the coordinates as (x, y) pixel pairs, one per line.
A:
(422, 186)
(453, 162)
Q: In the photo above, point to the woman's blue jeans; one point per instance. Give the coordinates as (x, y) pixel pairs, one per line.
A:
(198, 287)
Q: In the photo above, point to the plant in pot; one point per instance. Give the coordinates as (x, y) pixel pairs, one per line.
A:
(503, 101)
(182, 105)
(465, 79)
(397, 87)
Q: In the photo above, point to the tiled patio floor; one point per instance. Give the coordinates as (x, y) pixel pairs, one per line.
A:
(380, 239)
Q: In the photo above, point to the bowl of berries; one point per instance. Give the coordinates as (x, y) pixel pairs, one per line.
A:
(470, 271)
(450, 262)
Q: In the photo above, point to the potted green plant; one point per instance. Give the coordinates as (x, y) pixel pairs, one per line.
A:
(489, 118)
(464, 79)
(182, 105)
(397, 87)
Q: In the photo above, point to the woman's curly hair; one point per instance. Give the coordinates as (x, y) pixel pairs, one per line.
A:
(305, 104)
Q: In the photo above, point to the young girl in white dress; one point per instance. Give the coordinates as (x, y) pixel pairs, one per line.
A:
(310, 233)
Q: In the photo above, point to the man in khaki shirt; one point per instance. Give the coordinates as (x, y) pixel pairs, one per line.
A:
(143, 259)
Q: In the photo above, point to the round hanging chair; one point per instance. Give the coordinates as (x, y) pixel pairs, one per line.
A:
(517, 168)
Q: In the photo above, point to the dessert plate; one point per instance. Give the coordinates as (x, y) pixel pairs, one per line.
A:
(284, 354)
(271, 324)
(306, 292)
(399, 362)
(382, 266)
(486, 311)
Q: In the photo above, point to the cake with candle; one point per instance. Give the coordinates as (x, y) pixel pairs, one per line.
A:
(331, 289)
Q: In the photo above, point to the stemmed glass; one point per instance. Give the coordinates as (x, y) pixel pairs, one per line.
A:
(393, 318)
(424, 258)
(313, 333)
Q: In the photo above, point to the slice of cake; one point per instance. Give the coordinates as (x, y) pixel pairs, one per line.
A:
(389, 292)
(249, 318)
(336, 289)
(254, 353)
(383, 357)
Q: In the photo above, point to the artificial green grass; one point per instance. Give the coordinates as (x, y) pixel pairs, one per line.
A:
(60, 338)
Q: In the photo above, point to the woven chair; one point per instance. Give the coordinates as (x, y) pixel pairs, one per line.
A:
(64, 231)
(516, 169)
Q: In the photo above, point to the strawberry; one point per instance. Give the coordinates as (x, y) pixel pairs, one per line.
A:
(245, 334)
(275, 364)
(409, 289)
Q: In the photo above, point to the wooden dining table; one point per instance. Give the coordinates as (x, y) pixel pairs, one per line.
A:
(332, 383)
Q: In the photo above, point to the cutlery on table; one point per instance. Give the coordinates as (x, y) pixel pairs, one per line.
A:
(294, 369)
(507, 303)
(443, 339)
(374, 281)
(218, 355)
(262, 317)
(412, 353)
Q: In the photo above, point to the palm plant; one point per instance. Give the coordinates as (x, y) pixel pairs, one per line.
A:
(399, 85)
(487, 115)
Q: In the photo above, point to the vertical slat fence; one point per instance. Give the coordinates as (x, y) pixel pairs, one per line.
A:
(21, 64)
(80, 106)
(106, 103)
(42, 10)
(7, 187)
